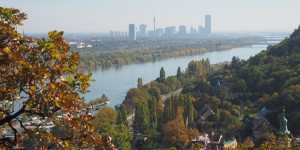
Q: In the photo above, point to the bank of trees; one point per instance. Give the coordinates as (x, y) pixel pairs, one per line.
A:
(107, 52)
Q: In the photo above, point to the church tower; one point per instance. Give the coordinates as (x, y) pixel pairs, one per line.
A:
(283, 123)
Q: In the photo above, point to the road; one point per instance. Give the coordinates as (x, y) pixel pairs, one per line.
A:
(166, 96)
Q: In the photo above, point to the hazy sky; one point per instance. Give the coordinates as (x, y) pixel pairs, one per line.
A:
(106, 15)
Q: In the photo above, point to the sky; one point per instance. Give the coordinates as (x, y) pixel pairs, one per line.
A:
(93, 16)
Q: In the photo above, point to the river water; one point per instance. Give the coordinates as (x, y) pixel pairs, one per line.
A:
(115, 81)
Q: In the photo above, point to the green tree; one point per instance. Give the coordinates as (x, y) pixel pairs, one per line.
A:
(141, 122)
(179, 73)
(152, 110)
(162, 74)
(40, 75)
(105, 115)
(133, 96)
(140, 82)
(155, 91)
(189, 109)
(119, 134)
(122, 115)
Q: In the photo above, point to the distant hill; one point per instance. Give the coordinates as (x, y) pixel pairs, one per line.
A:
(288, 46)
(276, 72)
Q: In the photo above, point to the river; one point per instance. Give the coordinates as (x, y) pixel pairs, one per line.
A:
(115, 81)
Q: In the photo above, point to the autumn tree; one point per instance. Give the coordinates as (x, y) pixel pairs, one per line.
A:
(248, 143)
(176, 133)
(39, 76)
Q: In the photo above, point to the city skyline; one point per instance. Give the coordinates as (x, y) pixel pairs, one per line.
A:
(104, 16)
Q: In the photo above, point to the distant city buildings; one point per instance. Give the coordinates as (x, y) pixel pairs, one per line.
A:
(118, 33)
(170, 31)
(132, 32)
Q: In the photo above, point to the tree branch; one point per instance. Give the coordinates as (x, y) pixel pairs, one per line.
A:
(11, 117)
(21, 124)
(15, 131)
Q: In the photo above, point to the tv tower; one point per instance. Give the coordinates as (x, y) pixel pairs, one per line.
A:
(154, 32)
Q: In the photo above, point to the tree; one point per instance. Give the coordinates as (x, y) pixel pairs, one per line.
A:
(248, 143)
(179, 73)
(140, 82)
(176, 133)
(162, 74)
(155, 91)
(198, 146)
(214, 102)
(105, 115)
(32, 75)
(119, 134)
(152, 110)
(122, 115)
(133, 96)
(189, 109)
(141, 118)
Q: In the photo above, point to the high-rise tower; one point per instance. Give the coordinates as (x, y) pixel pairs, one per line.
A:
(208, 24)
(132, 32)
(142, 30)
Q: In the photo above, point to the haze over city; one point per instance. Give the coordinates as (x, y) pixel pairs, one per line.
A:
(103, 16)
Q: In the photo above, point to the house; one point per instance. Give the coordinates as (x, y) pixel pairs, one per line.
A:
(203, 139)
(139, 140)
(216, 141)
(260, 123)
(205, 112)
(231, 144)
(259, 126)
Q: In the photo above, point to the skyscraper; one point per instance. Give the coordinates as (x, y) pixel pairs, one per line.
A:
(132, 32)
(142, 30)
(208, 24)
(169, 31)
(182, 30)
